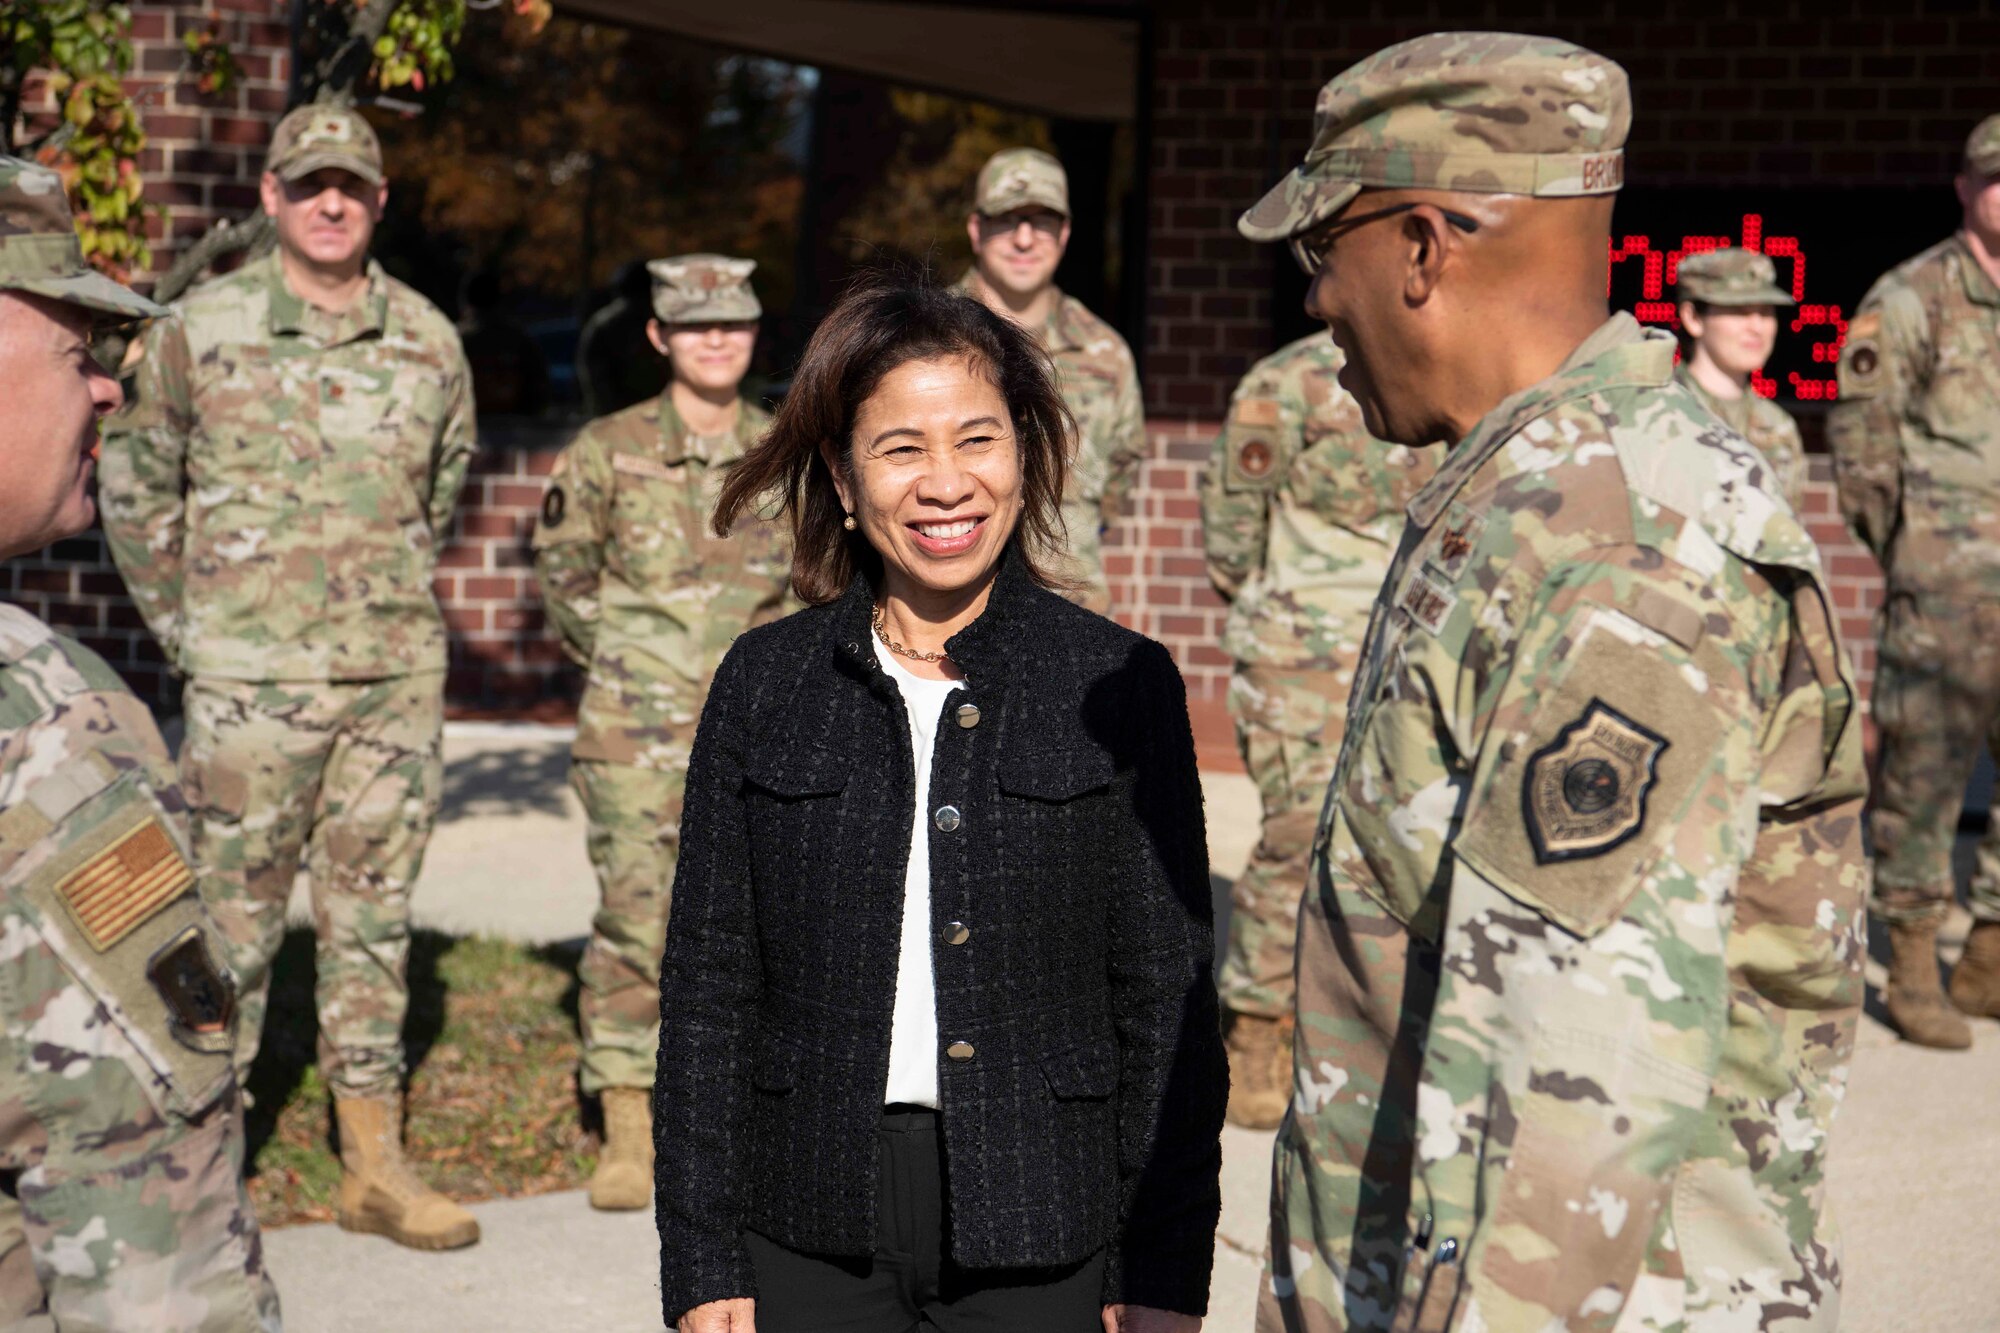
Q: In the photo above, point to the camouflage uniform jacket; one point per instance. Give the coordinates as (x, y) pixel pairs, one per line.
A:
(1300, 510)
(117, 1021)
(277, 493)
(1100, 383)
(1766, 425)
(1580, 956)
(645, 597)
(1916, 433)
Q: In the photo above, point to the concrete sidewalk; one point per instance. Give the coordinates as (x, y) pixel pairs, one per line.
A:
(1912, 1169)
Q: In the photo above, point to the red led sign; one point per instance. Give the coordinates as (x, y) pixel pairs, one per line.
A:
(1825, 324)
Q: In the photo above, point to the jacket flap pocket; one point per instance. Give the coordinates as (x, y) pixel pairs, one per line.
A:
(1054, 773)
(798, 769)
(1089, 1070)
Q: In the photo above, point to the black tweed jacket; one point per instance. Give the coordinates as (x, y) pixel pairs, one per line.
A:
(1087, 1111)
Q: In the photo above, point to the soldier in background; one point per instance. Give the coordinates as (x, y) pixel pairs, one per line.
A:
(275, 499)
(1729, 302)
(1916, 453)
(121, 1140)
(647, 601)
(1300, 511)
(1579, 962)
(1019, 228)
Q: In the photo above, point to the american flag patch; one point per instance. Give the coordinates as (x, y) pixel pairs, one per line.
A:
(113, 893)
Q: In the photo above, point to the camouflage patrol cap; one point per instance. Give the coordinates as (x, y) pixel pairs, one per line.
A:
(703, 289)
(1492, 112)
(314, 136)
(1982, 148)
(39, 251)
(1730, 277)
(1021, 178)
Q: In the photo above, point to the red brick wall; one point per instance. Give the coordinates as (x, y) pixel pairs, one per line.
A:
(1815, 94)
(203, 154)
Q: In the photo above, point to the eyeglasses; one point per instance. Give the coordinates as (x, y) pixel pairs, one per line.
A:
(1310, 248)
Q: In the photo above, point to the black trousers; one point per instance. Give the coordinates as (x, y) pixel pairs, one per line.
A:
(909, 1283)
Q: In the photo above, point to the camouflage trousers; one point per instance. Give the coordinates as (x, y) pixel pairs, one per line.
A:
(114, 1212)
(1937, 695)
(1288, 729)
(633, 837)
(346, 774)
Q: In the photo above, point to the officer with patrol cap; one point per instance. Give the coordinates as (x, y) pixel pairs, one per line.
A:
(1019, 228)
(121, 1141)
(647, 601)
(1916, 457)
(1579, 961)
(1728, 306)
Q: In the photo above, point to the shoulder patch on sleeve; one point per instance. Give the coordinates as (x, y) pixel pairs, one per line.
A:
(1585, 791)
(1860, 367)
(1593, 762)
(554, 505)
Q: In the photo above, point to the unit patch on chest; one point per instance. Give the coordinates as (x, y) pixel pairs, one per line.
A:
(114, 892)
(1585, 792)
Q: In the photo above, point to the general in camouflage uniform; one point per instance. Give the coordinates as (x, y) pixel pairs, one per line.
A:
(648, 600)
(1916, 453)
(121, 1135)
(1580, 955)
(1014, 272)
(1717, 292)
(276, 497)
(1300, 510)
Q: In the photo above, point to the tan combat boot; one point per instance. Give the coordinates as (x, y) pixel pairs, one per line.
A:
(380, 1194)
(1915, 993)
(624, 1176)
(1260, 1069)
(1975, 983)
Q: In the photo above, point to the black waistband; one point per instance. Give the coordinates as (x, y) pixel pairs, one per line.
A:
(901, 1118)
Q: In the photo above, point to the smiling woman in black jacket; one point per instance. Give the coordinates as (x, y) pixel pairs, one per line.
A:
(938, 1037)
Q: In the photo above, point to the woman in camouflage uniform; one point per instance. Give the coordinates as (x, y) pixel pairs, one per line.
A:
(1729, 304)
(647, 601)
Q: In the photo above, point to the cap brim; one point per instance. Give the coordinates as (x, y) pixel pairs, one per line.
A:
(92, 291)
(1763, 296)
(1294, 205)
(307, 164)
(1005, 204)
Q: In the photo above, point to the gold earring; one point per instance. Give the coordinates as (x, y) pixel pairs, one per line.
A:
(849, 523)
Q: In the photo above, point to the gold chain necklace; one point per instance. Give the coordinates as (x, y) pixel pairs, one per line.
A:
(880, 621)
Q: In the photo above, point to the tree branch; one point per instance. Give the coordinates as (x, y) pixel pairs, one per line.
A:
(340, 72)
(225, 238)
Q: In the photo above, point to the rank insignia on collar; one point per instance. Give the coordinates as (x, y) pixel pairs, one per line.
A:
(1428, 599)
(1454, 548)
(1585, 792)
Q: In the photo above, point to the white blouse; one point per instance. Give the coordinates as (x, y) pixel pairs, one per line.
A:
(913, 1036)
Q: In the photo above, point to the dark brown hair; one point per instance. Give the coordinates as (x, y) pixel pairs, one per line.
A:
(873, 330)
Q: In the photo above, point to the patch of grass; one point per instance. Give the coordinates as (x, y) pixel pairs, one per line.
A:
(493, 1103)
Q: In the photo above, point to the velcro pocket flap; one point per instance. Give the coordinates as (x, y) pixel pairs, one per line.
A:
(1086, 1071)
(117, 904)
(1055, 773)
(799, 769)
